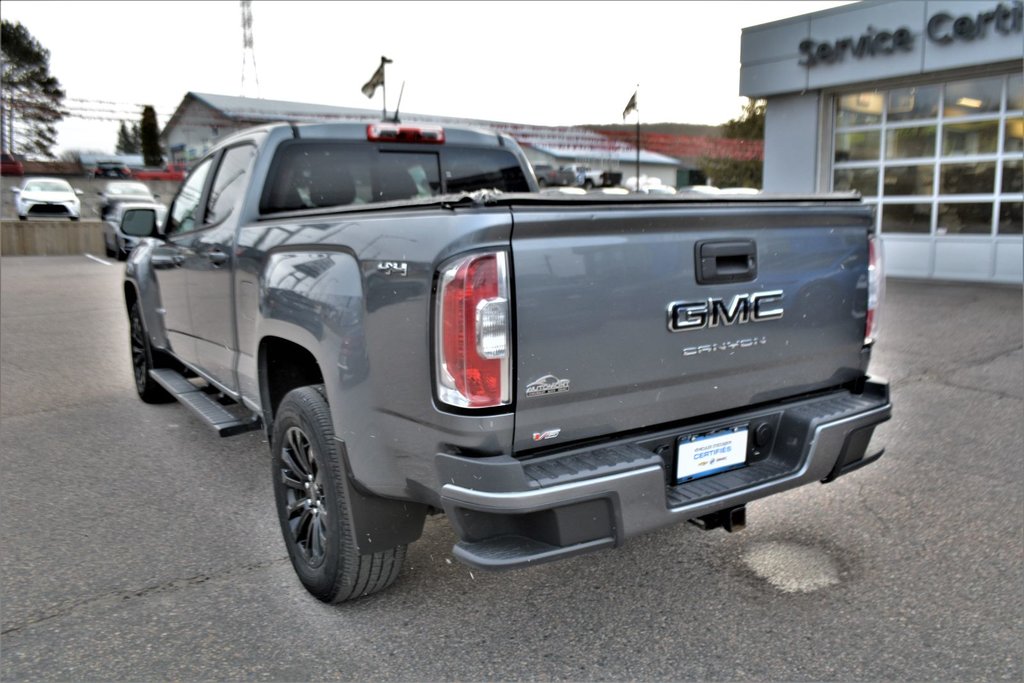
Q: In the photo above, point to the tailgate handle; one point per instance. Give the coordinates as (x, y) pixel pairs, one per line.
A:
(725, 261)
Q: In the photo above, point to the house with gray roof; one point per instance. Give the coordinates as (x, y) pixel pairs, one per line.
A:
(202, 119)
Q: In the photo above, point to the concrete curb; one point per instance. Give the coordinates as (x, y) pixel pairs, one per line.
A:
(50, 238)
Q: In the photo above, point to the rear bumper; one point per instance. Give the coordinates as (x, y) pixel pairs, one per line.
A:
(511, 514)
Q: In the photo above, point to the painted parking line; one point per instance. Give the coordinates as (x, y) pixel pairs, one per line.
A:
(98, 259)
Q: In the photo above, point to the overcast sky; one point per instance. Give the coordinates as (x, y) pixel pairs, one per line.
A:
(545, 63)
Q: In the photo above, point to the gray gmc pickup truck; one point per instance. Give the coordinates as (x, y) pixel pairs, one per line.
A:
(419, 331)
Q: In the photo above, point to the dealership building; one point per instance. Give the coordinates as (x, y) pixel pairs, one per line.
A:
(919, 106)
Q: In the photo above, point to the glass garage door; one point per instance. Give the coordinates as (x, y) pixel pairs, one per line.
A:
(944, 163)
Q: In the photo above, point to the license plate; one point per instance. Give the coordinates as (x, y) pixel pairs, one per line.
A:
(701, 455)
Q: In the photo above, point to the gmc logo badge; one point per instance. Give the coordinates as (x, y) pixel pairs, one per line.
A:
(712, 312)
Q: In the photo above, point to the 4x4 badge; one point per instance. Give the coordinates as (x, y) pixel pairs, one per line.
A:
(548, 384)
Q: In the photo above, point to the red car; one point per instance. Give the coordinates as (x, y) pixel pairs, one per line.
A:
(173, 171)
(110, 169)
(11, 165)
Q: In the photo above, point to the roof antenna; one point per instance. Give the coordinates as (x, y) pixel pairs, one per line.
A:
(400, 92)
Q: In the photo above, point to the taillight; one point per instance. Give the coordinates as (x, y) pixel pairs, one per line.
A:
(876, 289)
(392, 132)
(474, 330)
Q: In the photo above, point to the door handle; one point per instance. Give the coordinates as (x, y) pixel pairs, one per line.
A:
(723, 261)
(217, 257)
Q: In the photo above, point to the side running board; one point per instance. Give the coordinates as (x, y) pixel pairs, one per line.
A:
(223, 421)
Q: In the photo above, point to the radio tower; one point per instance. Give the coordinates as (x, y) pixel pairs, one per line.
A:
(248, 53)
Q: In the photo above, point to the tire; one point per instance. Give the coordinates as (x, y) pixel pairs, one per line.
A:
(107, 250)
(22, 218)
(310, 491)
(73, 218)
(143, 360)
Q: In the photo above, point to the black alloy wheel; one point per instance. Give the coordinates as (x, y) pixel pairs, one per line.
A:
(142, 361)
(305, 505)
(312, 492)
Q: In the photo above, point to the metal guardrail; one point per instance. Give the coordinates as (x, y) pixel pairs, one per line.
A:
(50, 238)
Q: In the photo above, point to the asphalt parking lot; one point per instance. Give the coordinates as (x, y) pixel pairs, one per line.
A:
(138, 546)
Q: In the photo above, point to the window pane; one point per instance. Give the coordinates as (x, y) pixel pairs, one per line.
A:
(863, 180)
(909, 218)
(976, 96)
(311, 174)
(229, 183)
(905, 143)
(1015, 98)
(1014, 141)
(407, 175)
(979, 137)
(913, 103)
(908, 180)
(859, 109)
(861, 146)
(183, 210)
(968, 178)
(467, 170)
(965, 219)
(1013, 176)
(1010, 218)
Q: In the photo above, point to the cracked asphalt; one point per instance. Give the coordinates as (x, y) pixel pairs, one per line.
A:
(135, 545)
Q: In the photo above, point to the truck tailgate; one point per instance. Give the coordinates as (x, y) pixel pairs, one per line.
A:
(598, 291)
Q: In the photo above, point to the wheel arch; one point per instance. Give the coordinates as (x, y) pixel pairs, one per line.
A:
(378, 523)
(283, 365)
(140, 285)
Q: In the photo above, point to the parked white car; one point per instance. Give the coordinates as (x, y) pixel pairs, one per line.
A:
(47, 197)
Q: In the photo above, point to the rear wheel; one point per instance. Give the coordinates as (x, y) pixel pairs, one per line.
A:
(310, 489)
(143, 361)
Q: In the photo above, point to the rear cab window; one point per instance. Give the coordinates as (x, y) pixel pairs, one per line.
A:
(309, 174)
(470, 169)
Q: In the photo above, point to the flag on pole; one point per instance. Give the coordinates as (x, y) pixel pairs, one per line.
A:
(377, 79)
(630, 107)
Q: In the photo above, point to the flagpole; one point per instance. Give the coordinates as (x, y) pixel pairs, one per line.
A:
(638, 142)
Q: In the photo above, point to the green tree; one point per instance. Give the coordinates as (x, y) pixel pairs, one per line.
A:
(150, 137)
(31, 99)
(749, 125)
(733, 172)
(129, 139)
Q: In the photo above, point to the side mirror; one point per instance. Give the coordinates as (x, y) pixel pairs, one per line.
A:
(78, 192)
(16, 190)
(139, 223)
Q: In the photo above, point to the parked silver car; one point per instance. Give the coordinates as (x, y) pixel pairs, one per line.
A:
(122, 191)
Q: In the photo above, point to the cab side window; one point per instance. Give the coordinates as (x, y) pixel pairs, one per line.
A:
(182, 216)
(229, 183)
